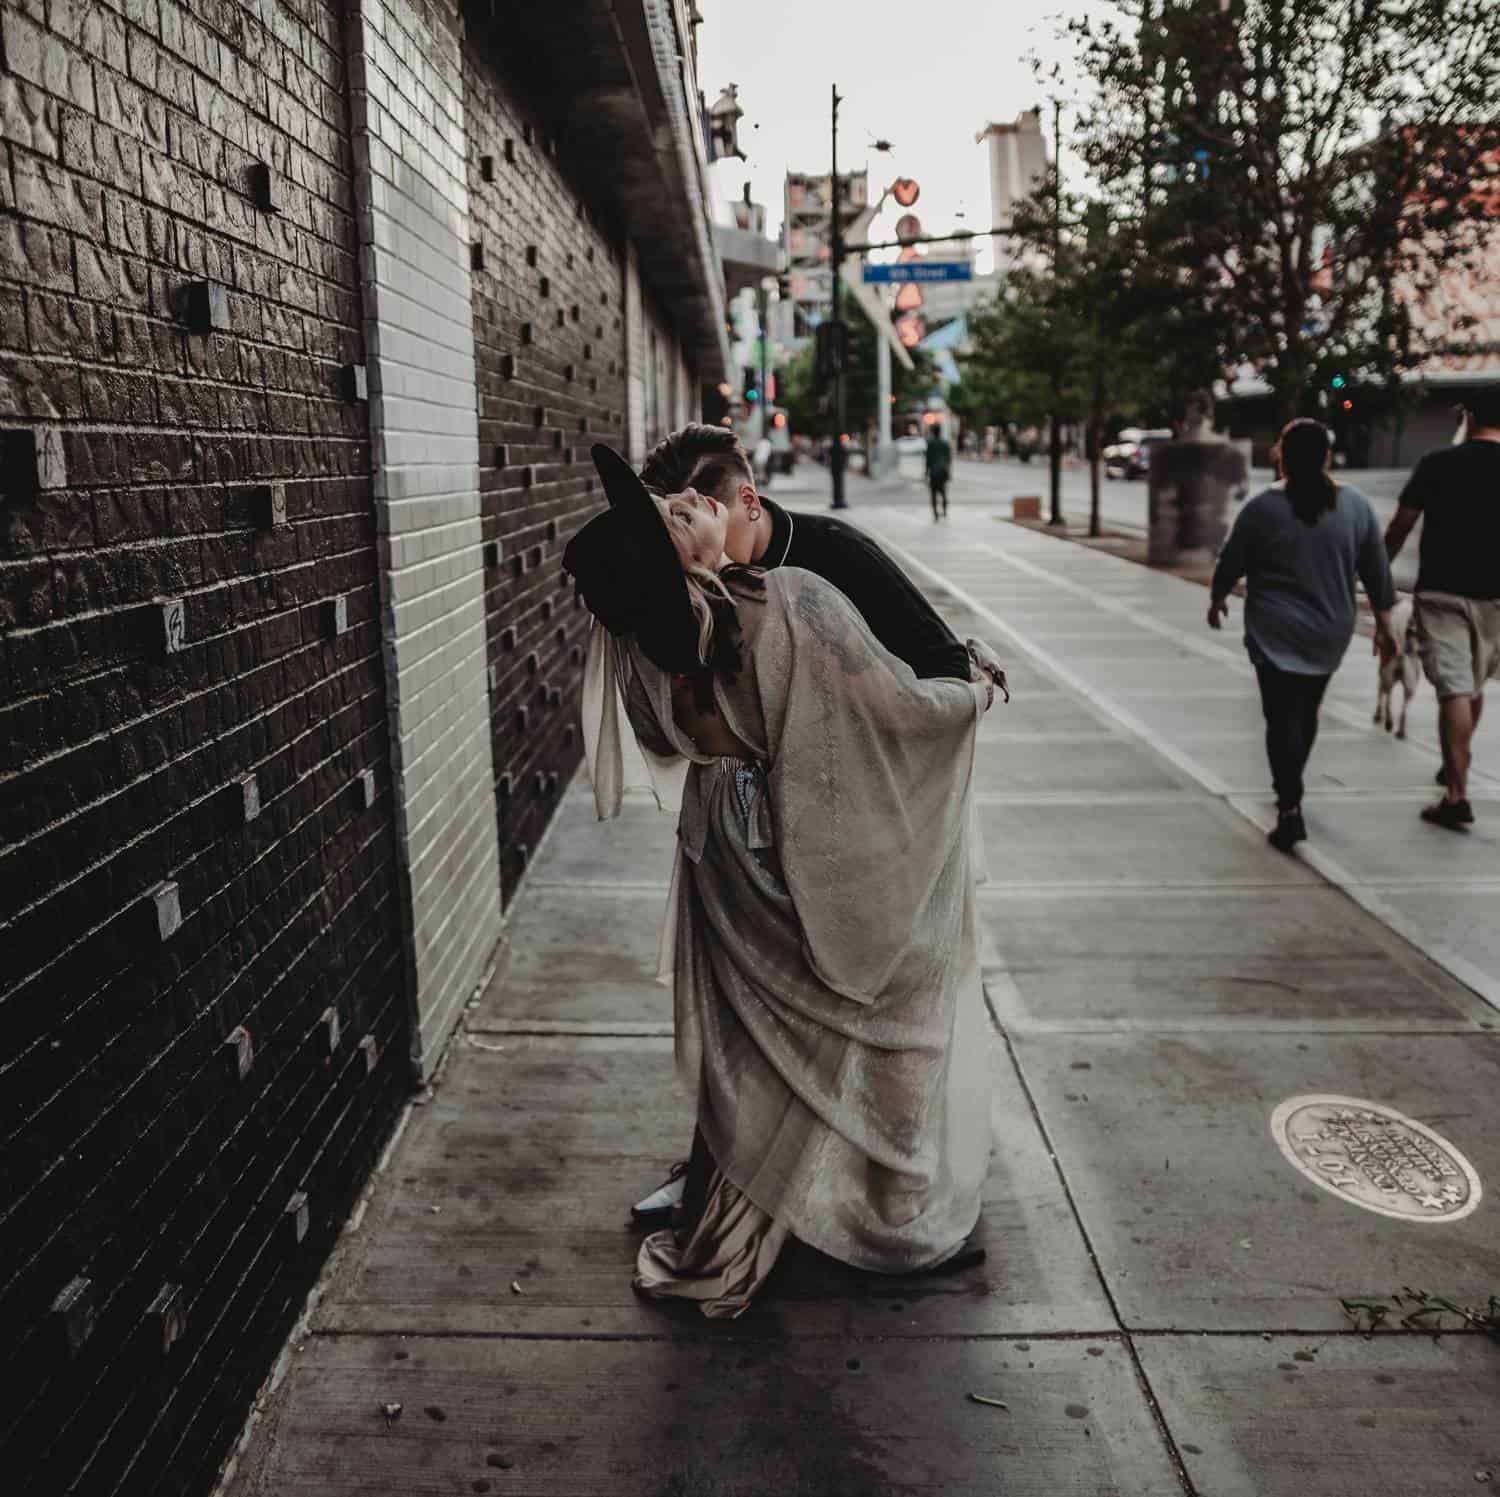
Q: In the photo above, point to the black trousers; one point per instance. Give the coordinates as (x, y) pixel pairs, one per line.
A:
(1290, 702)
(938, 484)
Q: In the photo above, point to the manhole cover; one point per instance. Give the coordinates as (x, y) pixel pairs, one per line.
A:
(1376, 1157)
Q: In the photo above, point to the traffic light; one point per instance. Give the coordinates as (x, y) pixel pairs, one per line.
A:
(1337, 382)
(751, 385)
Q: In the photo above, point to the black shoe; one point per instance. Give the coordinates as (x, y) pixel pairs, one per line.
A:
(1453, 814)
(1288, 831)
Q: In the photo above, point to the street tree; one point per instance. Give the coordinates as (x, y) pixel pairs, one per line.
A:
(797, 391)
(1082, 330)
(1301, 174)
(979, 398)
(1013, 351)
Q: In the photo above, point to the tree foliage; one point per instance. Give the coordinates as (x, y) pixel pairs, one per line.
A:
(1015, 358)
(1081, 327)
(1299, 174)
(797, 390)
(806, 403)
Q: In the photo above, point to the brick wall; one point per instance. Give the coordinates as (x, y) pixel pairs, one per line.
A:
(408, 107)
(150, 1262)
(288, 680)
(549, 337)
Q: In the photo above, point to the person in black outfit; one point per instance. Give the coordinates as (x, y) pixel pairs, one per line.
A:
(1300, 546)
(1458, 588)
(711, 460)
(938, 463)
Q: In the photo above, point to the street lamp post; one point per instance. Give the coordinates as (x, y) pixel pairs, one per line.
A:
(882, 405)
(836, 446)
(1054, 426)
(763, 312)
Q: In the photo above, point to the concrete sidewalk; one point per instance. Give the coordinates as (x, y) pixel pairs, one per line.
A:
(1159, 1312)
(1134, 642)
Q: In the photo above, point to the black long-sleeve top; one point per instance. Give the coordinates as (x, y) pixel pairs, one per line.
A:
(898, 615)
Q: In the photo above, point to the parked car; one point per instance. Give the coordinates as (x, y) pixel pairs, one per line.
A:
(1130, 457)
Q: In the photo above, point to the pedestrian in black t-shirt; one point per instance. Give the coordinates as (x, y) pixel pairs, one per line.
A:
(1458, 588)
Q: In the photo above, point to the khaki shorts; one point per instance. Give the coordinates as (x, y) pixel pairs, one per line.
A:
(1460, 642)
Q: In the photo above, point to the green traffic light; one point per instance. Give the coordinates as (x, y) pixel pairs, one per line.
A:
(1337, 382)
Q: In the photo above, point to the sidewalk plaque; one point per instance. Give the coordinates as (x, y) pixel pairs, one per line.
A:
(1376, 1157)
(920, 270)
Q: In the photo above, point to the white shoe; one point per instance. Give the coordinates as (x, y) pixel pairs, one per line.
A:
(666, 1195)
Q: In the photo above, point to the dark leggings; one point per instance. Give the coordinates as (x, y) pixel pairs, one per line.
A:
(1290, 702)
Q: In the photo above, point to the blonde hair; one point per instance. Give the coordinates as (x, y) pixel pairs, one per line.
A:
(703, 584)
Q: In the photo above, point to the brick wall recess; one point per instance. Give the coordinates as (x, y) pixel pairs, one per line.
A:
(135, 1155)
(550, 374)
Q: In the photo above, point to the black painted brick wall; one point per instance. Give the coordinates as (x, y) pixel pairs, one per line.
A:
(550, 354)
(132, 1154)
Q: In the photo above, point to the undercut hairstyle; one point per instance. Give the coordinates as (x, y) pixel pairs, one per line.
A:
(1483, 406)
(699, 456)
(1305, 446)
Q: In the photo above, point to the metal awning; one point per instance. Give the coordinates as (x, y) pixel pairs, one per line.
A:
(748, 257)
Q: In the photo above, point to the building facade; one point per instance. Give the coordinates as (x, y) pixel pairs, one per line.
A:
(807, 229)
(309, 315)
(1018, 167)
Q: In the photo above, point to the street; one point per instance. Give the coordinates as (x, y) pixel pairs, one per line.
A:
(1122, 502)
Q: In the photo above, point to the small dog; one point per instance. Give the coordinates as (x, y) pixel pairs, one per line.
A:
(1405, 668)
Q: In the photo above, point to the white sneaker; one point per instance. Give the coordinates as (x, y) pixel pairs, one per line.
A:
(666, 1195)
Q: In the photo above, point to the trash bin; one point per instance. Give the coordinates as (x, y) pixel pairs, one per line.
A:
(1190, 487)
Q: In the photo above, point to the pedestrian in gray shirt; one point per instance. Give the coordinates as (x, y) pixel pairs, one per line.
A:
(1299, 546)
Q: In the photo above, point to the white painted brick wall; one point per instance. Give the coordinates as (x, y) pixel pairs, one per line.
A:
(407, 88)
(635, 361)
(687, 395)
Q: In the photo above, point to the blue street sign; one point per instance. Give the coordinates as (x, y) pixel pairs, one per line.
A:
(920, 270)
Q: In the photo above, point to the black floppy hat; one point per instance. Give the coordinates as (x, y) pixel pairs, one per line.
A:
(628, 571)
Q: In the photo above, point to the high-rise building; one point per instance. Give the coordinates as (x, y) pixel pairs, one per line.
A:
(1018, 166)
(807, 239)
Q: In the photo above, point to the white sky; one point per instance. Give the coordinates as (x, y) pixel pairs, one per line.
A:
(927, 75)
